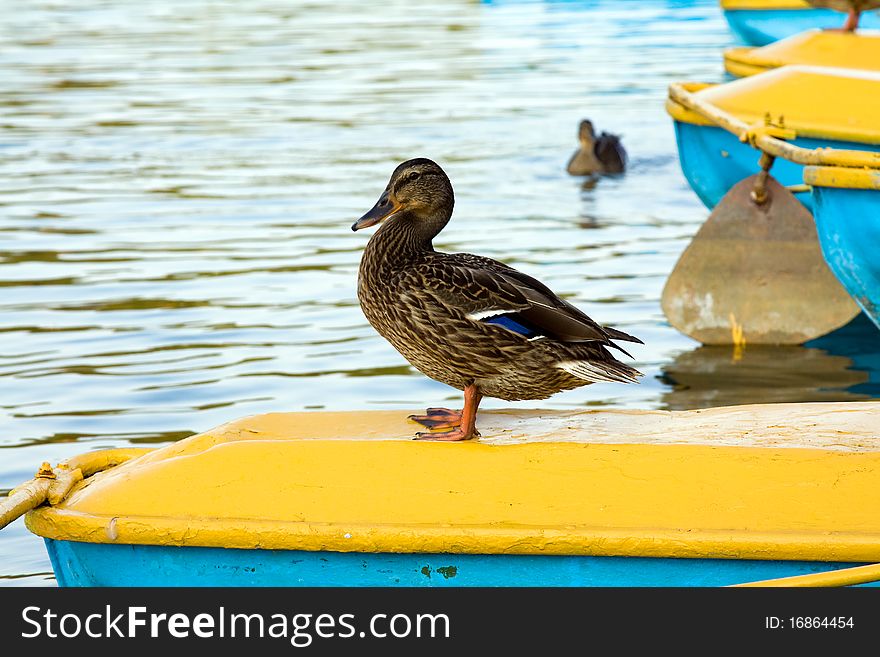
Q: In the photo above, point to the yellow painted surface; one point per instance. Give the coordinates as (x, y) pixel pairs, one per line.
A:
(808, 98)
(739, 66)
(842, 177)
(22, 499)
(92, 462)
(357, 482)
(764, 4)
(814, 47)
(841, 577)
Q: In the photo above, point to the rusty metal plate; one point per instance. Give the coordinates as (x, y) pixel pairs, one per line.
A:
(755, 274)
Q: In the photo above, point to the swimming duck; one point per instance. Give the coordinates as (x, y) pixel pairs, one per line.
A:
(602, 154)
(852, 8)
(468, 321)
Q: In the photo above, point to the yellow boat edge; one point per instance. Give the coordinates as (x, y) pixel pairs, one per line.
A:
(657, 500)
(790, 91)
(694, 544)
(842, 177)
(764, 4)
(736, 62)
(815, 47)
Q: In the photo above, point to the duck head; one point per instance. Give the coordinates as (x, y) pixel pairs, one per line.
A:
(584, 162)
(419, 193)
(586, 134)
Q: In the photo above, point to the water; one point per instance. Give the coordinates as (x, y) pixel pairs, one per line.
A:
(177, 182)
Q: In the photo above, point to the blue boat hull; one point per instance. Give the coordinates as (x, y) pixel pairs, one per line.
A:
(848, 223)
(92, 564)
(758, 27)
(713, 160)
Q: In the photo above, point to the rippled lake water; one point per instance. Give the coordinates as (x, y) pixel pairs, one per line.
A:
(177, 182)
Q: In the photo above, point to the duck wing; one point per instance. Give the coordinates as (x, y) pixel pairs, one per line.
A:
(609, 151)
(489, 291)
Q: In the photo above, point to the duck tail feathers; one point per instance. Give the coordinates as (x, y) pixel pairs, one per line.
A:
(614, 334)
(596, 371)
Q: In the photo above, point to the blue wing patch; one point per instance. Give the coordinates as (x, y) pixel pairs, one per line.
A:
(513, 323)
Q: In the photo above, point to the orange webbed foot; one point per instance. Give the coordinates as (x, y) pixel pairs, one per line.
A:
(438, 418)
(452, 435)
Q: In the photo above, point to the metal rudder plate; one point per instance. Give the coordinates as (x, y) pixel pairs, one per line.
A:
(754, 273)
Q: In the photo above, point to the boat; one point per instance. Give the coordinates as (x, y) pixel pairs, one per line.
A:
(846, 208)
(767, 494)
(792, 106)
(814, 47)
(829, 159)
(759, 22)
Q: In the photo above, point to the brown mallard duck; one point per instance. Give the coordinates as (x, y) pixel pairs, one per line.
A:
(852, 8)
(597, 154)
(468, 321)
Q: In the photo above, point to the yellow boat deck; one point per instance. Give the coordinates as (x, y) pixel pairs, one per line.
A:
(813, 48)
(805, 99)
(784, 481)
(764, 4)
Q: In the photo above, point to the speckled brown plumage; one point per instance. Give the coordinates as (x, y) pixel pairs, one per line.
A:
(467, 320)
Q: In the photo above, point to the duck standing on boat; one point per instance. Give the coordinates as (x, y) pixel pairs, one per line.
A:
(468, 321)
(597, 154)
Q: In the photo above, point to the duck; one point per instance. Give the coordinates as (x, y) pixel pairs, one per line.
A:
(597, 154)
(468, 321)
(852, 8)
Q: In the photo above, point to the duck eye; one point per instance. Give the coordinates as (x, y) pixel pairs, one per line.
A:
(414, 175)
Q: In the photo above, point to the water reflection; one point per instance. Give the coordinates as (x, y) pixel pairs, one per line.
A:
(841, 366)
(588, 184)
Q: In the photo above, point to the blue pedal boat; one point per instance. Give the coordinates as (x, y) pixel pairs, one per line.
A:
(828, 156)
(759, 22)
(775, 494)
(812, 108)
(846, 207)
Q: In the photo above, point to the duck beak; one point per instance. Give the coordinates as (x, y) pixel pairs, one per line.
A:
(383, 209)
